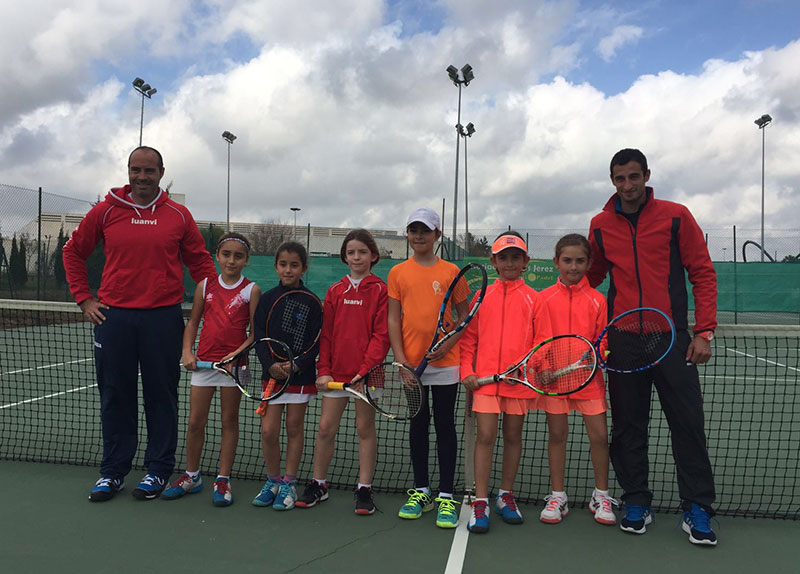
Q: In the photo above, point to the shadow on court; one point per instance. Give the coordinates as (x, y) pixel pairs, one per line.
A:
(49, 526)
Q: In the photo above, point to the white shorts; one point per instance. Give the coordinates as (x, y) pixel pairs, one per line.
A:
(210, 378)
(337, 394)
(291, 399)
(440, 375)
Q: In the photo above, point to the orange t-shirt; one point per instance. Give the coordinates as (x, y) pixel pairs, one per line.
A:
(420, 291)
(578, 310)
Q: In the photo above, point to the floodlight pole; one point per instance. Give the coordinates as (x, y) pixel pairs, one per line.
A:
(459, 78)
(295, 209)
(762, 123)
(147, 91)
(228, 137)
(466, 132)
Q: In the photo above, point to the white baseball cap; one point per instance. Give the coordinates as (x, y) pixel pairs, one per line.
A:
(427, 216)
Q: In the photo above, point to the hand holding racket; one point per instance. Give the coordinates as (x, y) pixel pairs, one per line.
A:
(560, 365)
(391, 388)
(244, 369)
(469, 287)
(635, 340)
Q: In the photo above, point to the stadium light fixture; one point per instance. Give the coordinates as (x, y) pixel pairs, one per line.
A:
(229, 137)
(147, 91)
(762, 123)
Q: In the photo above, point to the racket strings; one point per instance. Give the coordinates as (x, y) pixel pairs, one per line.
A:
(395, 391)
(562, 365)
(638, 340)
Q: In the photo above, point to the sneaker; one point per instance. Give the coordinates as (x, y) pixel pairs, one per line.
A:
(184, 485)
(313, 494)
(150, 487)
(507, 508)
(267, 495)
(417, 503)
(697, 524)
(479, 521)
(286, 497)
(364, 503)
(601, 506)
(105, 489)
(222, 492)
(636, 518)
(447, 516)
(555, 510)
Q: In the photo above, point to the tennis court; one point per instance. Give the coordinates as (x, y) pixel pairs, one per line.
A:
(49, 413)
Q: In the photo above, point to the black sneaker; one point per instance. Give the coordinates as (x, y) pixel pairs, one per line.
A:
(364, 503)
(313, 493)
(105, 489)
(150, 487)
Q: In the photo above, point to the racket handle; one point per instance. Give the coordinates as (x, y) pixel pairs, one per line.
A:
(487, 380)
(332, 386)
(205, 365)
(421, 368)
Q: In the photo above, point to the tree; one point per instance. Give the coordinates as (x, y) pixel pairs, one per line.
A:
(268, 236)
(211, 236)
(791, 259)
(477, 247)
(58, 259)
(17, 268)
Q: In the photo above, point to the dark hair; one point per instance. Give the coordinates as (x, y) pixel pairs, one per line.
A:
(293, 247)
(574, 240)
(364, 237)
(627, 155)
(236, 236)
(510, 232)
(152, 149)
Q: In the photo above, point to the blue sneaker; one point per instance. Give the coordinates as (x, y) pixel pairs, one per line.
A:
(417, 503)
(446, 515)
(150, 487)
(636, 519)
(506, 507)
(105, 489)
(184, 485)
(267, 495)
(222, 492)
(479, 521)
(287, 495)
(697, 524)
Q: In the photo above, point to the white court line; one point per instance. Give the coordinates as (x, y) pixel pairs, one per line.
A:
(51, 395)
(757, 358)
(458, 550)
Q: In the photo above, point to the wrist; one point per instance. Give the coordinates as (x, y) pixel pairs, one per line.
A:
(707, 335)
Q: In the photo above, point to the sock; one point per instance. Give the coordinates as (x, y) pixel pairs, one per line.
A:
(321, 481)
(600, 492)
(225, 478)
(486, 500)
(446, 495)
(561, 495)
(424, 489)
(362, 485)
(501, 492)
(194, 475)
(276, 478)
(290, 477)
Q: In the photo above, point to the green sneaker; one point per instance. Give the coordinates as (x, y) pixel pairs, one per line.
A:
(446, 516)
(418, 502)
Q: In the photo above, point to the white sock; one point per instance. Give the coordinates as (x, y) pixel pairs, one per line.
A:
(446, 495)
(321, 481)
(220, 477)
(501, 492)
(560, 495)
(362, 485)
(600, 492)
(423, 489)
(194, 475)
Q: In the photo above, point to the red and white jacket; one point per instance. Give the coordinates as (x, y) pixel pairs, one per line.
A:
(579, 310)
(145, 248)
(226, 317)
(355, 332)
(511, 320)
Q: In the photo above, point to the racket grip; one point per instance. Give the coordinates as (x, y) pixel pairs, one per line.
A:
(204, 364)
(421, 368)
(332, 386)
(486, 380)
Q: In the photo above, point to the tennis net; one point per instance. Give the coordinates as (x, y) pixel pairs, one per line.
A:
(49, 412)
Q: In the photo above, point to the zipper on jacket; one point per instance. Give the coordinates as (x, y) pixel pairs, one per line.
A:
(502, 332)
(634, 232)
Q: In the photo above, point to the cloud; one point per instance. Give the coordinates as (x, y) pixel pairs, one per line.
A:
(619, 37)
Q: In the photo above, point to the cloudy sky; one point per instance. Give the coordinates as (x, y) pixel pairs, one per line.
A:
(344, 109)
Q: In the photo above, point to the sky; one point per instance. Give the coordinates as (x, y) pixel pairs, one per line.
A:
(344, 108)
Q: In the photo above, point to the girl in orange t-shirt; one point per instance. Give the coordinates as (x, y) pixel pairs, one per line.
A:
(576, 308)
(512, 319)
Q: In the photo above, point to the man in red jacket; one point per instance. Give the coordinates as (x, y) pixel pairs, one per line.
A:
(147, 238)
(647, 246)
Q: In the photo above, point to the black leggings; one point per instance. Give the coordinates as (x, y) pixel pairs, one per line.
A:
(444, 404)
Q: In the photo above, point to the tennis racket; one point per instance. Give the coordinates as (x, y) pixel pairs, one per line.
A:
(560, 365)
(391, 388)
(296, 319)
(635, 340)
(469, 286)
(244, 369)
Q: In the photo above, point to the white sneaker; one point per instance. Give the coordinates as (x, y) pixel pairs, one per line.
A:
(555, 509)
(287, 495)
(601, 507)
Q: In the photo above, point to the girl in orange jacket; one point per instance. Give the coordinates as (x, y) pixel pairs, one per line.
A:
(576, 308)
(511, 320)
